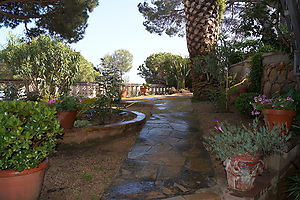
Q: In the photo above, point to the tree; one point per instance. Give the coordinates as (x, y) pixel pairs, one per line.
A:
(48, 65)
(165, 68)
(120, 60)
(202, 29)
(63, 19)
(86, 71)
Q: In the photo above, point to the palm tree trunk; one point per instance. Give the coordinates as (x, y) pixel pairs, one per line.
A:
(202, 31)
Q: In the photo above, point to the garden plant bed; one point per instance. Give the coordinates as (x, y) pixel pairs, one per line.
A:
(125, 120)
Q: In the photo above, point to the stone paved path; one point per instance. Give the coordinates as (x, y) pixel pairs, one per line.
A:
(168, 158)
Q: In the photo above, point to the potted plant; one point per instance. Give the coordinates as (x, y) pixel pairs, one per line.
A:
(145, 89)
(276, 111)
(29, 133)
(66, 108)
(242, 148)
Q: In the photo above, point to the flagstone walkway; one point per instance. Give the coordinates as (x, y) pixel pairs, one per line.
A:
(168, 160)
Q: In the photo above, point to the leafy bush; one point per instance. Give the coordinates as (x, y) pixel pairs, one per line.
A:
(28, 134)
(230, 140)
(242, 103)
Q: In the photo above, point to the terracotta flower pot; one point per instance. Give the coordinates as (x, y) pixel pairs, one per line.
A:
(242, 170)
(124, 93)
(24, 185)
(67, 119)
(144, 91)
(279, 117)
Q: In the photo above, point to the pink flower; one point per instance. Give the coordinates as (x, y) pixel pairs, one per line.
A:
(81, 100)
(51, 101)
(219, 128)
(255, 112)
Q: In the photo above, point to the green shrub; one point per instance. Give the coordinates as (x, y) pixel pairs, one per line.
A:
(242, 103)
(230, 140)
(28, 134)
(294, 186)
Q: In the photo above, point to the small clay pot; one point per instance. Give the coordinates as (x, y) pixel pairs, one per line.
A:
(67, 119)
(279, 117)
(24, 185)
(124, 93)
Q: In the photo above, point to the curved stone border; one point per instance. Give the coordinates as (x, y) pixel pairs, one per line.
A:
(79, 135)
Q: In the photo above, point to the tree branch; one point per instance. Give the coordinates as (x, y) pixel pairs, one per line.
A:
(28, 1)
(23, 17)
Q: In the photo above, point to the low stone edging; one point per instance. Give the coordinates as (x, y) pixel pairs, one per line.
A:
(80, 135)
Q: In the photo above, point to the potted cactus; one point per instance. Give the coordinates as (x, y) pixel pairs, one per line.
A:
(29, 133)
(242, 148)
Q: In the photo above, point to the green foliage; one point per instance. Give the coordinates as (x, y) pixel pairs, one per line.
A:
(87, 176)
(86, 71)
(294, 186)
(218, 97)
(257, 68)
(121, 60)
(242, 103)
(230, 140)
(264, 20)
(82, 123)
(28, 134)
(11, 92)
(66, 19)
(86, 105)
(110, 80)
(164, 17)
(166, 68)
(47, 64)
(168, 16)
(65, 104)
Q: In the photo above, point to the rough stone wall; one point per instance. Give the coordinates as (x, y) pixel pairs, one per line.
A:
(278, 73)
(241, 69)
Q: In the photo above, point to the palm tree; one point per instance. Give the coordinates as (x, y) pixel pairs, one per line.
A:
(202, 31)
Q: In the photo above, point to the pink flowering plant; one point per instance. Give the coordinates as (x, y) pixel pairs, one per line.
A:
(280, 103)
(65, 103)
(229, 140)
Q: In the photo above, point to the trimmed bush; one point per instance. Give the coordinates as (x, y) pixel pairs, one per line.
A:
(242, 103)
(29, 132)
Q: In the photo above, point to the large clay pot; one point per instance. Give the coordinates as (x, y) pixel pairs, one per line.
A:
(279, 117)
(242, 170)
(124, 93)
(67, 119)
(24, 185)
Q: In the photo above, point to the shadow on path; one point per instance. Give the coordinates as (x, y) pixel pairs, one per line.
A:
(168, 158)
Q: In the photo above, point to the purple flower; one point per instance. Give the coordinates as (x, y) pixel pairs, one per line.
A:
(51, 101)
(273, 106)
(281, 105)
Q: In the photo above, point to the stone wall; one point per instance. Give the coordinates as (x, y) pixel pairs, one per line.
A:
(278, 73)
(241, 69)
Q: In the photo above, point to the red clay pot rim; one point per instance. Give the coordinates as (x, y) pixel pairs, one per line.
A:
(278, 112)
(10, 173)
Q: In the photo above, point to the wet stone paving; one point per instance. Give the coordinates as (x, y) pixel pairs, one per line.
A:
(168, 158)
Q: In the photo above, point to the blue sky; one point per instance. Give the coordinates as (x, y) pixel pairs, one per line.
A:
(117, 24)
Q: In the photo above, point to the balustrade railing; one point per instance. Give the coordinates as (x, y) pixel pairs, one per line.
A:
(88, 89)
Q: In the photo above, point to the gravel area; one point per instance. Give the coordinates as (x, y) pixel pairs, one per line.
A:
(83, 172)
